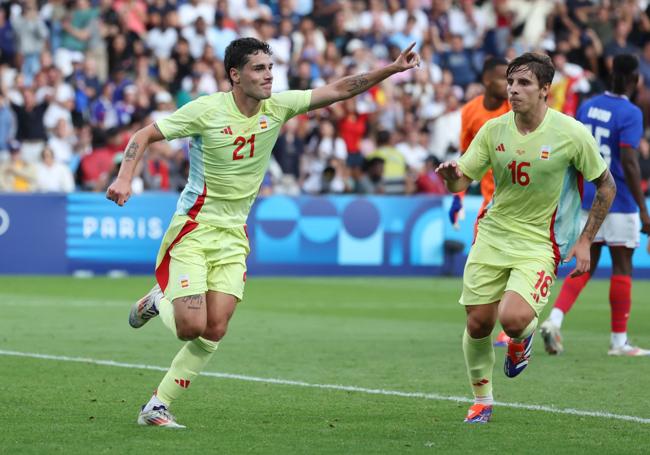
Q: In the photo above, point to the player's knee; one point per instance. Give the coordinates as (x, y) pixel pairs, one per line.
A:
(514, 324)
(478, 327)
(215, 332)
(188, 331)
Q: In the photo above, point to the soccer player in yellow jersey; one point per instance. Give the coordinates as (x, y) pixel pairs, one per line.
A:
(201, 265)
(539, 158)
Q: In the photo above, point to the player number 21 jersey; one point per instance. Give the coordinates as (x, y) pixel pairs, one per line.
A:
(538, 177)
(229, 152)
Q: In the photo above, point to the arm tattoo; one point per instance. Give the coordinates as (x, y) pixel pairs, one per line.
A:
(193, 302)
(605, 192)
(357, 84)
(131, 151)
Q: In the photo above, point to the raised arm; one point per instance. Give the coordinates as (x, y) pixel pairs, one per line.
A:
(350, 86)
(605, 192)
(632, 171)
(120, 190)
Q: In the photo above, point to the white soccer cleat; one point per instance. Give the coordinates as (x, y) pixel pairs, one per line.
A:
(628, 351)
(145, 308)
(552, 338)
(158, 416)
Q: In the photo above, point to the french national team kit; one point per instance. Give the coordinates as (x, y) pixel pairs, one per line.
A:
(615, 123)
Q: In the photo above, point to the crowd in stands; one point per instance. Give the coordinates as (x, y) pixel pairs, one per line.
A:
(78, 77)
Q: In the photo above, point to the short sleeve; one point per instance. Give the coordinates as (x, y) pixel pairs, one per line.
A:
(587, 159)
(631, 129)
(184, 122)
(475, 162)
(291, 103)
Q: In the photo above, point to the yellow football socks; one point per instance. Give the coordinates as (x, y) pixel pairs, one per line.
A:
(187, 364)
(479, 359)
(530, 328)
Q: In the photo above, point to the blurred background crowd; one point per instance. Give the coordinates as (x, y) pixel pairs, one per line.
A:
(77, 78)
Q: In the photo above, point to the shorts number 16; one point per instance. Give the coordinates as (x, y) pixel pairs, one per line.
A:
(544, 283)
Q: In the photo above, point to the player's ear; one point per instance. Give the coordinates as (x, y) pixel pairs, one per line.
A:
(234, 75)
(545, 89)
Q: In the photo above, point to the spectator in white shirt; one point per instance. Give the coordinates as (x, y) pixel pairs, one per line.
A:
(61, 142)
(189, 12)
(52, 176)
(161, 40)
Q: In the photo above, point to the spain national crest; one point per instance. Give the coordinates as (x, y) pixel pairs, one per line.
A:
(184, 281)
(264, 122)
(545, 152)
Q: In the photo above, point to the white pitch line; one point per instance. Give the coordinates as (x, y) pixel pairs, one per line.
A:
(395, 393)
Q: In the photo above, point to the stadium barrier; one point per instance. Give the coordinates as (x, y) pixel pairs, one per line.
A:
(83, 233)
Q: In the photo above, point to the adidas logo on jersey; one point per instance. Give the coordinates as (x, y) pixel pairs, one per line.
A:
(501, 148)
(227, 130)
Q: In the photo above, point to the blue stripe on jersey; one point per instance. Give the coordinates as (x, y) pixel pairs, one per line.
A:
(196, 180)
(567, 218)
(613, 120)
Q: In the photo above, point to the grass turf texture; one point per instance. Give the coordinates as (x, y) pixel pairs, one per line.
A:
(377, 333)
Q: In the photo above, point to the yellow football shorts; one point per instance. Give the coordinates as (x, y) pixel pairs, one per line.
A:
(194, 258)
(490, 272)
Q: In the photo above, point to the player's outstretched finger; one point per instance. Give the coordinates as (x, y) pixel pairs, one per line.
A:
(408, 49)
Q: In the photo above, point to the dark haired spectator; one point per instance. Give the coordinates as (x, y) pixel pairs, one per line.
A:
(460, 61)
(428, 181)
(371, 180)
(30, 124)
(394, 163)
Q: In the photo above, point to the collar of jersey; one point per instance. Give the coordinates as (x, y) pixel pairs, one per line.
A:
(513, 125)
(614, 95)
(231, 100)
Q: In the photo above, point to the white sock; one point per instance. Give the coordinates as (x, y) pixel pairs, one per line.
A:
(484, 400)
(619, 339)
(155, 401)
(556, 317)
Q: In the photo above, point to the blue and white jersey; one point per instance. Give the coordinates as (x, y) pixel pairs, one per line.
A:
(615, 123)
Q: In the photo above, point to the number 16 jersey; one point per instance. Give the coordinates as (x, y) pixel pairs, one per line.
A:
(536, 205)
(229, 152)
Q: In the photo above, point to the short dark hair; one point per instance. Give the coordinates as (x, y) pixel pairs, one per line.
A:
(625, 70)
(540, 65)
(492, 62)
(239, 51)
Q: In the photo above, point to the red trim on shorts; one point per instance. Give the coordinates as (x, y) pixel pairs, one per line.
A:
(246, 232)
(556, 249)
(196, 208)
(162, 271)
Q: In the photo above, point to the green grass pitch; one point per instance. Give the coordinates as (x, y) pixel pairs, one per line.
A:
(391, 335)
